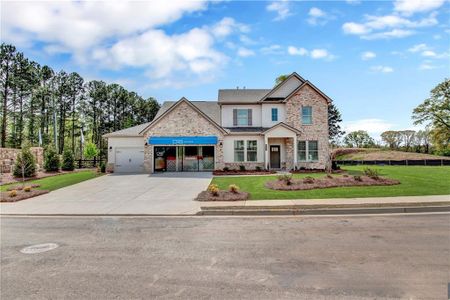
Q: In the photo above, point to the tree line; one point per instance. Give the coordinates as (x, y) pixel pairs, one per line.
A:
(434, 112)
(45, 107)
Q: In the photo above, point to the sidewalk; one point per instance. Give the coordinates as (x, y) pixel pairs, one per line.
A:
(322, 205)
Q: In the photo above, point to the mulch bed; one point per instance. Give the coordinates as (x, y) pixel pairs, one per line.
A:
(21, 195)
(20, 187)
(322, 183)
(238, 172)
(222, 196)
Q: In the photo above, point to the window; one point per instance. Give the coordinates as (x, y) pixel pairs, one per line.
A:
(274, 114)
(306, 115)
(302, 151)
(238, 150)
(308, 151)
(252, 151)
(242, 117)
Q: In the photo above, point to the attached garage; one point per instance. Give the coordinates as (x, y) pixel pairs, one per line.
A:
(129, 160)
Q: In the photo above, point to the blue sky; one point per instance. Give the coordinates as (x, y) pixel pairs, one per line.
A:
(376, 59)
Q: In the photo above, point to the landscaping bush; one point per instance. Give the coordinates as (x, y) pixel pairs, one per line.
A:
(241, 168)
(27, 189)
(213, 189)
(258, 168)
(25, 165)
(372, 173)
(51, 160)
(12, 193)
(308, 179)
(226, 169)
(233, 188)
(68, 161)
(357, 178)
(286, 178)
(103, 167)
(329, 176)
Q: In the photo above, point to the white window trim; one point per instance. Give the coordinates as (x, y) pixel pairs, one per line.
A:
(271, 114)
(307, 151)
(245, 151)
(237, 117)
(301, 115)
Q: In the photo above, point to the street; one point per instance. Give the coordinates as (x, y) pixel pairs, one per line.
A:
(351, 257)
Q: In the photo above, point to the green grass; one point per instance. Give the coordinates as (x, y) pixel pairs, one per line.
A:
(56, 182)
(414, 181)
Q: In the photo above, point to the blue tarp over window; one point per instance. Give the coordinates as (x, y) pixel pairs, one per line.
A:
(182, 140)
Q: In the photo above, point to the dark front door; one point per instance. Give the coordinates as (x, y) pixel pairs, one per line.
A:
(274, 157)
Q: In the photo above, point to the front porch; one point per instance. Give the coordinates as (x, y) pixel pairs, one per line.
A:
(280, 147)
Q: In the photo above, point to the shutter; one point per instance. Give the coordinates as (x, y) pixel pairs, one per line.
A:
(234, 117)
(249, 117)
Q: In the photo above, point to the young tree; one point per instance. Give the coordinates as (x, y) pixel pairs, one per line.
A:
(51, 160)
(281, 78)
(68, 161)
(90, 150)
(25, 165)
(359, 139)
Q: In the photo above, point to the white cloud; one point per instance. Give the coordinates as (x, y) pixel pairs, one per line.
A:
(319, 53)
(281, 7)
(317, 16)
(272, 49)
(382, 69)
(409, 7)
(244, 52)
(427, 65)
(119, 34)
(368, 55)
(297, 51)
(388, 26)
(372, 126)
(418, 48)
(353, 1)
(428, 53)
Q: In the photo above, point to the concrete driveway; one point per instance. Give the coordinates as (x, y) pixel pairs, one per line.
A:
(165, 194)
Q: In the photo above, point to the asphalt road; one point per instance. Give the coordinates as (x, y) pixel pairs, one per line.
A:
(228, 257)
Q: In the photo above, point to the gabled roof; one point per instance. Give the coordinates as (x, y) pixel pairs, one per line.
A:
(282, 124)
(183, 100)
(128, 132)
(281, 84)
(307, 82)
(229, 96)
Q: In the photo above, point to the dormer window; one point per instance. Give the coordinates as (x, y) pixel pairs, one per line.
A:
(242, 117)
(274, 114)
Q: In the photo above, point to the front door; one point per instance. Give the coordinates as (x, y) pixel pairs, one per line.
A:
(275, 157)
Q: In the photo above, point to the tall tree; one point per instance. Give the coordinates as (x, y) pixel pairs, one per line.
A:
(334, 120)
(391, 138)
(7, 58)
(359, 139)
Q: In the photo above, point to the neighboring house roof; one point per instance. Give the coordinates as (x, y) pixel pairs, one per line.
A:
(281, 84)
(128, 132)
(229, 96)
(211, 110)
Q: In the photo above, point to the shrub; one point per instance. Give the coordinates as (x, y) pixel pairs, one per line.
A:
(25, 165)
(345, 175)
(68, 161)
(226, 169)
(233, 188)
(12, 193)
(329, 176)
(103, 167)
(372, 173)
(51, 160)
(357, 178)
(213, 189)
(90, 150)
(27, 189)
(286, 178)
(308, 180)
(241, 168)
(258, 168)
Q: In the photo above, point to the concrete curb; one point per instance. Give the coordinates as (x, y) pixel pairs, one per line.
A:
(324, 211)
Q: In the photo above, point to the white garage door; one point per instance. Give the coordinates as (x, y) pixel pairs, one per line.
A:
(129, 160)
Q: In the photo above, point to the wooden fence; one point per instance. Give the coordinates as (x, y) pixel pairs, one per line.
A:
(88, 163)
(407, 162)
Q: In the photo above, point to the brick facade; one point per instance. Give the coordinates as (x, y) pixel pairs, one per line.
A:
(183, 120)
(318, 131)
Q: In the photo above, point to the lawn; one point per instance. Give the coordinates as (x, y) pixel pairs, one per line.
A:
(59, 181)
(415, 180)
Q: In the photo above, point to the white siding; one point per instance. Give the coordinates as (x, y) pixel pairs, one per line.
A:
(227, 114)
(288, 87)
(228, 147)
(123, 142)
(267, 114)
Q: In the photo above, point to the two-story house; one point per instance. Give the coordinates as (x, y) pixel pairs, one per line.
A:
(282, 128)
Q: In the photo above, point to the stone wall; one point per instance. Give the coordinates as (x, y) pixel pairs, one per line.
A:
(289, 153)
(8, 158)
(318, 131)
(183, 120)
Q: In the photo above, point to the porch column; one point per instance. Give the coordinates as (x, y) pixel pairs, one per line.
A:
(266, 152)
(295, 151)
